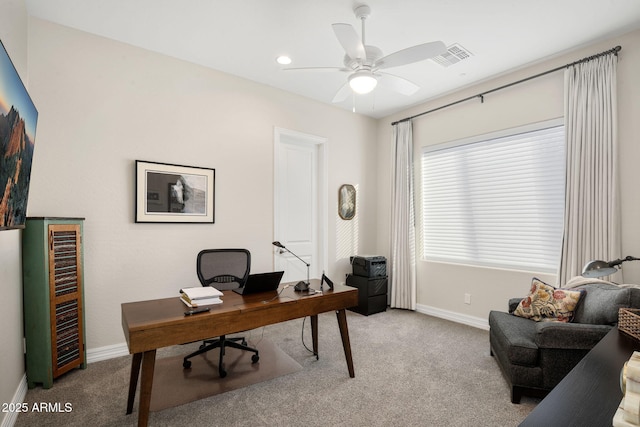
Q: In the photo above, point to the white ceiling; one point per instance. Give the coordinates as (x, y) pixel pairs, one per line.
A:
(243, 37)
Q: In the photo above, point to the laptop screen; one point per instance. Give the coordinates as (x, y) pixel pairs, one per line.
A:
(261, 282)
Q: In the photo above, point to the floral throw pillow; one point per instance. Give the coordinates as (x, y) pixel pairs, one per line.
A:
(548, 304)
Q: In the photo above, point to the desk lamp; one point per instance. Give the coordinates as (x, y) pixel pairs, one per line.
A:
(301, 285)
(599, 268)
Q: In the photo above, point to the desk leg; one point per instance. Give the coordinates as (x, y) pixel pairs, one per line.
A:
(346, 344)
(314, 335)
(148, 365)
(133, 380)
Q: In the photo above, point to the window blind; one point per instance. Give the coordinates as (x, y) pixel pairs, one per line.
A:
(496, 202)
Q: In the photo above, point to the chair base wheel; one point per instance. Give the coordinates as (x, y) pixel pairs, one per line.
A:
(255, 358)
(186, 364)
(222, 373)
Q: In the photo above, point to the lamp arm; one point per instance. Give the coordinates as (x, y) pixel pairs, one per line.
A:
(301, 286)
(621, 260)
(305, 262)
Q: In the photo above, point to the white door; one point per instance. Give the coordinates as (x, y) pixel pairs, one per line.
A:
(300, 213)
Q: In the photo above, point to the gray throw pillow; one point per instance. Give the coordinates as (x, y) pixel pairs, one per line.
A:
(600, 304)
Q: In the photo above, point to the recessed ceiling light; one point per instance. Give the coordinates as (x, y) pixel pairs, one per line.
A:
(283, 60)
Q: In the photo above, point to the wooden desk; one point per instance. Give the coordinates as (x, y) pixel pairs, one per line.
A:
(590, 394)
(149, 325)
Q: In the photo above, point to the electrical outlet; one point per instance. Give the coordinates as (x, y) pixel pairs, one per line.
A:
(467, 298)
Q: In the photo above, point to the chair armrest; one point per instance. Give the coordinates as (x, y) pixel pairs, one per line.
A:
(513, 304)
(569, 336)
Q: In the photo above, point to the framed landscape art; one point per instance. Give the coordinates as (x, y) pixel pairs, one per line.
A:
(18, 118)
(174, 193)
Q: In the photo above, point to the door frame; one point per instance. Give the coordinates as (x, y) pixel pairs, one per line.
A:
(304, 139)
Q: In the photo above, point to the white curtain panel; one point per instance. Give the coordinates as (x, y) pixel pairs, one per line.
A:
(402, 263)
(592, 215)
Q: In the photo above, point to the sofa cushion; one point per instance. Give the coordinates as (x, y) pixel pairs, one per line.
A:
(569, 336)
(514, 336)
(601, 303)
(548, 304)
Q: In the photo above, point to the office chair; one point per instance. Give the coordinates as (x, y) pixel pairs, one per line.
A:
(223, 269)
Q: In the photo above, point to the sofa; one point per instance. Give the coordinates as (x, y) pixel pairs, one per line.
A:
(535, 354)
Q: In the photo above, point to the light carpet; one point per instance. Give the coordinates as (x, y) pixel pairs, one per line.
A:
(410, 370)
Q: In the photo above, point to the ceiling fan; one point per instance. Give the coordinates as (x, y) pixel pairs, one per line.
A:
(364, 62)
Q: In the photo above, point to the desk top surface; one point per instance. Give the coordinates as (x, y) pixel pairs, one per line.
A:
(150, 319)
(590, 393)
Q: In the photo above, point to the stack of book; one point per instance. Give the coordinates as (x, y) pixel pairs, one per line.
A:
(201, 295)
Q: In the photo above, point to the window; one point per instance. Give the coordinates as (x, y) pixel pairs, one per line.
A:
(496, 200)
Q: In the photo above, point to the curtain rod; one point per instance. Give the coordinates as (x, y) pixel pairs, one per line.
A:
(613, 51)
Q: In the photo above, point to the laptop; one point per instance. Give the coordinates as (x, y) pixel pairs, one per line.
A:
(262, 282)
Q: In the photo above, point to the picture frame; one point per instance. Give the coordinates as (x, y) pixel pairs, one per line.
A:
(169, 193)
(326, 280)
(347, 202)
(18, 121)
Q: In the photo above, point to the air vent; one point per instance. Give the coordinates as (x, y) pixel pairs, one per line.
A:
(454, 54)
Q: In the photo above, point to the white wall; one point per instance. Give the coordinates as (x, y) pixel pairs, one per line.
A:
(104, 104)
(442, 286)
(13, 33)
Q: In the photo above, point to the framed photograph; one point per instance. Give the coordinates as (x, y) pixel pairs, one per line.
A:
(18, 119)
(347, 202)
(174, 193)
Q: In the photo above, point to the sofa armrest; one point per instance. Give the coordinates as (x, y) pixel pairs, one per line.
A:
(569, 336)
(513, 304)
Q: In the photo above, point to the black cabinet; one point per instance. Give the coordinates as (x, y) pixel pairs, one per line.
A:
(372, 293)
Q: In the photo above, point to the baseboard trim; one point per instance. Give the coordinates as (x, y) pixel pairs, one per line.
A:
(476, 322)
(107, 352)
(10, 418)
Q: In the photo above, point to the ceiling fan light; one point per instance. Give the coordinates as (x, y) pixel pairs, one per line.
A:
(283, 60)
(362, 82)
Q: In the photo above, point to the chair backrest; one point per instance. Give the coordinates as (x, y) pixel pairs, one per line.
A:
(223, 268)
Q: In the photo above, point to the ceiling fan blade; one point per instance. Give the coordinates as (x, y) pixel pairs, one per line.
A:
(342, 94)
(316, 69)
(350, 41)
(411, 55)
(398, 84)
